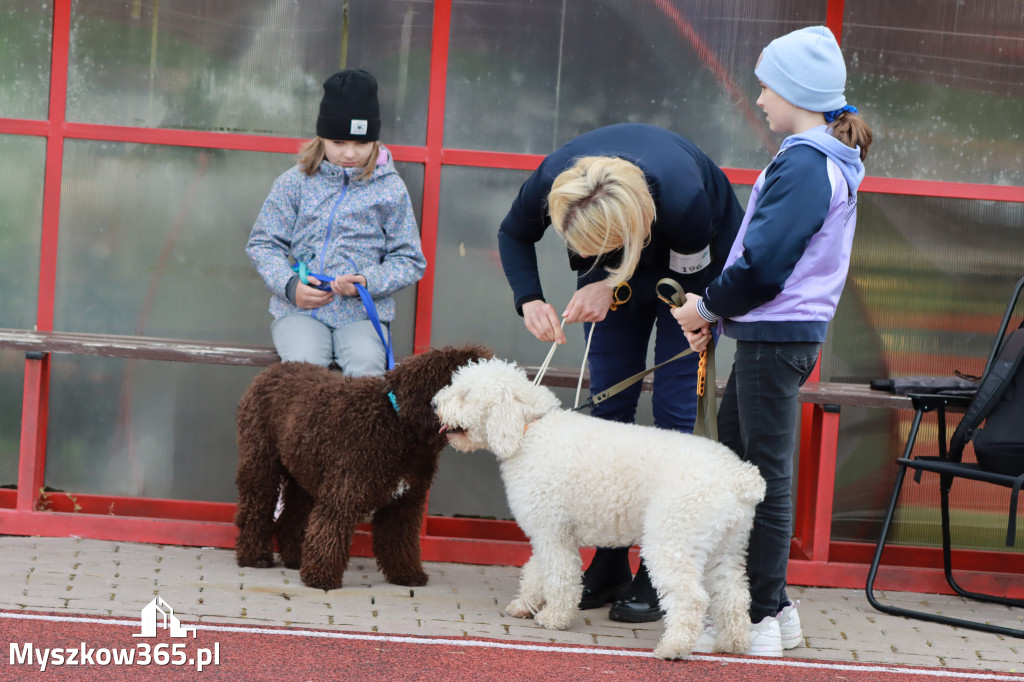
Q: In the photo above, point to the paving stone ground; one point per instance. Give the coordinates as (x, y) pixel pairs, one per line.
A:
(93, 577)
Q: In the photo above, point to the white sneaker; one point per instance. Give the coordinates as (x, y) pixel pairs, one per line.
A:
(789, 626)
(765, 638)
(705, 643)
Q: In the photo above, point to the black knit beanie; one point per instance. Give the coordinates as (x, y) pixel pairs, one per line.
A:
(349, 109)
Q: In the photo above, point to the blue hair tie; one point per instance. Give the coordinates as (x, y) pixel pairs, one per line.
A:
(833, 115)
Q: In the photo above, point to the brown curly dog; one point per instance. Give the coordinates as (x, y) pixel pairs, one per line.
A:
(344, 449)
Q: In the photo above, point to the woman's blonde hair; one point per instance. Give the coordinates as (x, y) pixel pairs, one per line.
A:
(601, 204)
(313, 152)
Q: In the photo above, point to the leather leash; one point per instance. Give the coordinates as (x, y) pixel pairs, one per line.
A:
(706, 423)
(707, 406)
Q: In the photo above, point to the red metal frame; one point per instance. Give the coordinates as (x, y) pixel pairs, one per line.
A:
(816, 559)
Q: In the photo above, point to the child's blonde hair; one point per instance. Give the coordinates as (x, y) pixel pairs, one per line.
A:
(601, 204)
(313, 152)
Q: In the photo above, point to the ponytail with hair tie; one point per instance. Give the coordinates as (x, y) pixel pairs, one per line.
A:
(831, 116)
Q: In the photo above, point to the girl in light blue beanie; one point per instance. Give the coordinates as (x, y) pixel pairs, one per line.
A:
(777, 294)
(806, 69)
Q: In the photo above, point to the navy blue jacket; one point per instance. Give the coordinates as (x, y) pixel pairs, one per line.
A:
(695, 204)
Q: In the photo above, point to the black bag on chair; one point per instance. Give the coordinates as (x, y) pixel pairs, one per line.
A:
(999, 402)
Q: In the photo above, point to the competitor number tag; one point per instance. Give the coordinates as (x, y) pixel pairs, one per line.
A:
(688, 263)
(358, 127)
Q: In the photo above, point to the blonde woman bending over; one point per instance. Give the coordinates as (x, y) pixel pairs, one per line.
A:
(634, 203)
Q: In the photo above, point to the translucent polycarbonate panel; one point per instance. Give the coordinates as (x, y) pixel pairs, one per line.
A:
(152, 242)
(942, 84)
(404, 326)
(26, 31)
(869, 442)
(528, 76)
(929, 283)
(22, 162)
(251, 67)
(472, 298)
(141, 428)
(12, 379)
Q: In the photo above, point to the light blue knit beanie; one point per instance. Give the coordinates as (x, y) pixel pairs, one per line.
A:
(806, 69)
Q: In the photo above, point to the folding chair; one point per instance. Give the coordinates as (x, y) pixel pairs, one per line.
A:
(949, 467)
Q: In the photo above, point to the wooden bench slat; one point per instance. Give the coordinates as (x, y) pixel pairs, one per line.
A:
(138, 347)
(184, 350)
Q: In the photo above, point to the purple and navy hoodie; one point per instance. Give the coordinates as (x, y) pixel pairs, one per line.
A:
(788, 265)
(338, 224)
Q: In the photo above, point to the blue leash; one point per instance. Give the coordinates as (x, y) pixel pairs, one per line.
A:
(364, 295)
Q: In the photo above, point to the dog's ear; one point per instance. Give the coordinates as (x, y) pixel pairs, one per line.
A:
(506, 423)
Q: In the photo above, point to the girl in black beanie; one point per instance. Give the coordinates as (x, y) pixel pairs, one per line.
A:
(339, 218)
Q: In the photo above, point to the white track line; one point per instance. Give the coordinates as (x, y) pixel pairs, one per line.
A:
(568, 648)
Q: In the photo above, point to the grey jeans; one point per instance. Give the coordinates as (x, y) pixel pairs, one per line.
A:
(355, 347)
(758, 420)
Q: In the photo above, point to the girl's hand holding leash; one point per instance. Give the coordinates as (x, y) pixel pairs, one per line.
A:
(307, 296)
(695, 327)
(345, 285)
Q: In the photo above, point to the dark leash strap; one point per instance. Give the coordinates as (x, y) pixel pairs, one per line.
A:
(707, 407)
(598, 398)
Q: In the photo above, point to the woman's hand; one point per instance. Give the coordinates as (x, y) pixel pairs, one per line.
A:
(345, 285)
(542, 321)
(311, 297)
(589, 304)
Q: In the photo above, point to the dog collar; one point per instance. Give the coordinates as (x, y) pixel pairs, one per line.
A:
(393, 399)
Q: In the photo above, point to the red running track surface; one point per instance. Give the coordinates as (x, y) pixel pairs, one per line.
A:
(281, 654)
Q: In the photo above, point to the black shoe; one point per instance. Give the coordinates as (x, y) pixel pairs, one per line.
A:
(595, 599)
(640, 603)
(631, 609)
(607, 578)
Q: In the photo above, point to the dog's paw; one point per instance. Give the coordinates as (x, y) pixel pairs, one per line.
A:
(319, 582)
(670, 651)
(409, 579)
(554, 620)
(294, 563)
(519, 608)
(260, 561)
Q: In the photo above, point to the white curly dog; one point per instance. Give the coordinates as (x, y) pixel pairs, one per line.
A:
(574, 480)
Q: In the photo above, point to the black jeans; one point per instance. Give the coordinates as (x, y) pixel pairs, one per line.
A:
(758, 420)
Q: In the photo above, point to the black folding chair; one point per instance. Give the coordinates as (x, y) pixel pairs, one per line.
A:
(949, 467)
